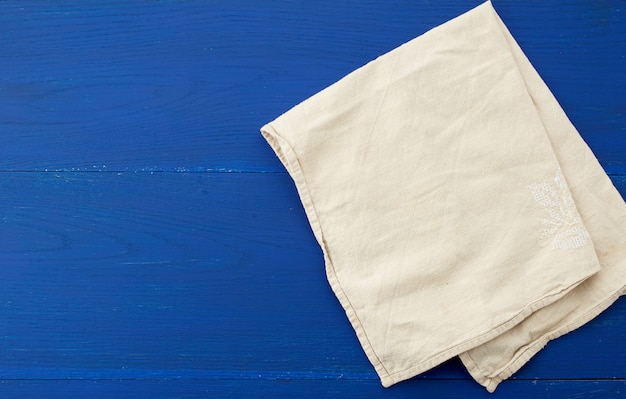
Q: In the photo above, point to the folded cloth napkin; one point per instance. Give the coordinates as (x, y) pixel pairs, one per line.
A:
(458, 209)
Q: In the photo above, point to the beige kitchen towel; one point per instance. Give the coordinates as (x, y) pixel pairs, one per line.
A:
(446, 213)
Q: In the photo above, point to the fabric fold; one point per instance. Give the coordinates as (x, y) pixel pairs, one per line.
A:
(458, 210)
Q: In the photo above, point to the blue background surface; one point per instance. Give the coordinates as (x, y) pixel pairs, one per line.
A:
(151, 244)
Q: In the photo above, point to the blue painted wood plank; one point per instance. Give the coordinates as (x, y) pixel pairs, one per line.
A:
(211, 284)
(186, 85)
(203, 388)
(196, 275)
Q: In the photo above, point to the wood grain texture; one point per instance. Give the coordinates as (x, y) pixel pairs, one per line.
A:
(186, 85)
(202, 388)
(209, 276)
(152, 245)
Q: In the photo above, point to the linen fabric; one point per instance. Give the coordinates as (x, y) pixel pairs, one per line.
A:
(458, 210)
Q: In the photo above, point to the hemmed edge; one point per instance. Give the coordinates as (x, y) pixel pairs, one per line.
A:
(491, 382)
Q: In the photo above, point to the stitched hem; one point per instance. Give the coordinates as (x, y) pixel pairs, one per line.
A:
(288, 157)
(491, 381)
(482, 338)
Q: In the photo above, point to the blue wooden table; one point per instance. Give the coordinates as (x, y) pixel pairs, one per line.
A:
(151, 244)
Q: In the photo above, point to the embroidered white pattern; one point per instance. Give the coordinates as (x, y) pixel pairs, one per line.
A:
(561, 223)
